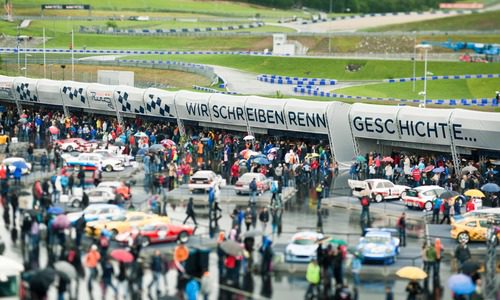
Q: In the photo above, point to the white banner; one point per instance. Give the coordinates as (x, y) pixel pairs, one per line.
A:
(129, 99)
(374, 121)
(228, 109)
(6, 84)
(101, 97)
(265, 113)
(476, 129)
(342, 142)
(159, 103)
(74, 94)
(25, 89)
(306, 116)
(49, 91)
(193, 106)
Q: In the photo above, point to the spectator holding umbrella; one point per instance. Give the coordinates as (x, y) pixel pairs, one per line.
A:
(107, 278)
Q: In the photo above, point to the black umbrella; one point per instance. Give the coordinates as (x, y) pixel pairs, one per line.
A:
(470, 267)
(40, 281)
(449, 194)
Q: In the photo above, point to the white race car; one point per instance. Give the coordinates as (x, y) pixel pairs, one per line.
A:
(108, 153)
(303, 247)
(95, 159)
(422, 197)
(96, 195)
(204, 180)
(377, 189)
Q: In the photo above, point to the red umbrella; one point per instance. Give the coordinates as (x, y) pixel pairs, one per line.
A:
(54, 130)
(61, 222)
(428, 168)
(122, 255)
(168, 143)
(388, 159)
(23, 116)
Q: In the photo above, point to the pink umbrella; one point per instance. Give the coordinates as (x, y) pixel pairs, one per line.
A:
(428, 168)
(122, 255)
(23, 116)
(53, 130)
(388, 159)
(61, 222)
(167, 143)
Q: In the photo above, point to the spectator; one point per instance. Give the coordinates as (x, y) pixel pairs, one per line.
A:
(91, 260)
(313, 277)
(264, 219)
(436, 209)
(190, 212)
(446, 212)
(402, 229)
(462, 254)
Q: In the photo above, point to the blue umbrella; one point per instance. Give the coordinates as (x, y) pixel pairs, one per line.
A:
(142, 151)
(461, 284)
(261, 161)
(20, 164)
(438, 170)
(490, 188)
(55, 210)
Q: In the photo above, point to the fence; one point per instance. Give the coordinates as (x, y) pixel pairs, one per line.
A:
(277, 79)
(444, 77)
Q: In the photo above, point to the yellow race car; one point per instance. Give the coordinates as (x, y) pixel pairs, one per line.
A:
(470, 229)
(123, 223)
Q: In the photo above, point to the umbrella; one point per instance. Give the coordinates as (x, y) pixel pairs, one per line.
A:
(428, 168)
(273, 150)
(205, 139)
(168, 143)
(388, 159)
(474, 193)
(249, 138)
(438, 170)
(470, 267)
(66, 268)
(461, 284)
(55, 210)
(40, 281)
(338, 242)
(490, 188)
(142, 151)
(140, 134)
(449, 194)
(261, 161)
(122, 255)
(53, 130)
(252, 233)
(311, 155)
(20, 164)
(61, 222)
(23, 116)
(469, 169)
(156, 148)
(360, 158)
(23, 120)
(232, 248)
(119, 143)
(412, 273)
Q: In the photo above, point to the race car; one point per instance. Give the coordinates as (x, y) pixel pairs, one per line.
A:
(124, 223)
(119, 188)
(13, 162)
(471, 229)
(377, 189)
(204, 180)
(378, 245)
(96, 212)
(303, 247)
(96, 195)
(422, 197)
(107, 153)
(160, 232)
(94, 159)
(243, 184)
(70, 145)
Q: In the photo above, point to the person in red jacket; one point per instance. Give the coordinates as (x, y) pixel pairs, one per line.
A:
(469, 206)
(235, 172)
(416, 176)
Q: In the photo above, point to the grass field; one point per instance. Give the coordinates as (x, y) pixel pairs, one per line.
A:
(332, 68)
(476, 21)
(221, 8)
(442, 89)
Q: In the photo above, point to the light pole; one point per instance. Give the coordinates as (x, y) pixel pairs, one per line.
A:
(414, 59)
(426, 49)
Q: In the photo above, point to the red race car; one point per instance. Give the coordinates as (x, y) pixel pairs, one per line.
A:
(159, 233)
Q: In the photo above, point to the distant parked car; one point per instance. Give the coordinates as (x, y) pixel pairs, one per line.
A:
(243, 184)
(204, 180)
(95, 159)
(303, 247)
(96, 195)
(96, 212)
(377, 189)
(161, 232)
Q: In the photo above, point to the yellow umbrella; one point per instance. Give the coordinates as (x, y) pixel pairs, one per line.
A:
(414, 273)
(474, 193)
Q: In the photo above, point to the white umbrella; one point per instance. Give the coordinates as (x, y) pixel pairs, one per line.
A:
(249, 138)
(140, 134)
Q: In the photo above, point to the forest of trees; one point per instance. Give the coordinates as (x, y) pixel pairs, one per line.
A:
(354, 6)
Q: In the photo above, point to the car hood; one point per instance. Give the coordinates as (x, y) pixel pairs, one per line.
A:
(374, 248)
(302, 250)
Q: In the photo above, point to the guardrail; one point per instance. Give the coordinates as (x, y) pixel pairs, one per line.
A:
(444, 77)
(147, 31)
(277, 79)
(210, 90)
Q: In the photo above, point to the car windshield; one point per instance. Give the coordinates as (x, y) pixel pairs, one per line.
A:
(148, 227)
(303, 242)
(90, 211)
(377, 239)
(118, 218)
(412, 193)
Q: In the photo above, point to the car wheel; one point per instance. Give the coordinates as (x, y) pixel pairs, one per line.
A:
(403, 194)
(69, 149)
(463, 237)
(109, 168)
(183, 237)
(379, 198)
(145, 242)
(428, 206)
(238, 193)
(76, 203)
